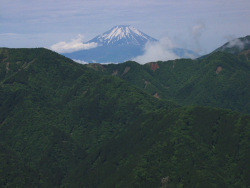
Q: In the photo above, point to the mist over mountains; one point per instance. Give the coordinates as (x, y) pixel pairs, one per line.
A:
(238, 46)
(123, 43)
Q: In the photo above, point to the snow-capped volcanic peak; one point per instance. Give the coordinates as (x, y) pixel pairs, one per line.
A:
(122, 35)
(122, 32)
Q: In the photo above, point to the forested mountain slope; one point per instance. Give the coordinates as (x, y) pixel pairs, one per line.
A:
(235, 46)
(219, 80)
(238, 46)
(63, 124)
(55, 111)
(193, 147)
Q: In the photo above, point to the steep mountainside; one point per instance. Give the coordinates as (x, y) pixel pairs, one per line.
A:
(189, 147)
(63, 124)
(219, 80)
(238, 46)
(54, 112)
(120, 44)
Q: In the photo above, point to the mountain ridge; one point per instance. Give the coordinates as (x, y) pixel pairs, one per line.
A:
(120, 44)
(237, 46)
(63, 124)
(208, 82)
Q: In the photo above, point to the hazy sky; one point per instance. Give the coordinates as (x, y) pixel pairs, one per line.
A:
(199, 25)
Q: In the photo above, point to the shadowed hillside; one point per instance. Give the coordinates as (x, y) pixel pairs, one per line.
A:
(63, 124)
(219, 80)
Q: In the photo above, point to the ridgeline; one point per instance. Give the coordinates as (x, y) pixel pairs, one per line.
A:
(63, 124)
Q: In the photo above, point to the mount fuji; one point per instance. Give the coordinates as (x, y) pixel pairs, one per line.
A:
(119, 44)
(122, 36)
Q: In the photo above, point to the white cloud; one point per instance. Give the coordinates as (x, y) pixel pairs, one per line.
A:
(84, 62)
(80, 61)
(75, 45)
(156, 51)
(197, 30)
(9, 34)
(236, 42)
(108, 63)
(196, 33)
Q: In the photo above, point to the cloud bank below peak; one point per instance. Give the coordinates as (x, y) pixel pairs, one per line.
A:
(72, 46)
(155, 51)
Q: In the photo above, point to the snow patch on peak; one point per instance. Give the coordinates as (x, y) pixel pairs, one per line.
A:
(135, 30)
(123, 35)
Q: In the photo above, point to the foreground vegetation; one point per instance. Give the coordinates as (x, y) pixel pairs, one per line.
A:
(66, 125)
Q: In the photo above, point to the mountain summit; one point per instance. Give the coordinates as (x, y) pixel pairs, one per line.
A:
(122, 35)
(119, 44)
(237, 46)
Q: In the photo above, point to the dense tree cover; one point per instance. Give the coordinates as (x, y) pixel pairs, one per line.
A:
(220, 80)
(194, 147)
(63, 124)
(55, 111)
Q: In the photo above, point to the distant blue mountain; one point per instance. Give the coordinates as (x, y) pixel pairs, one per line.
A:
(118, 45)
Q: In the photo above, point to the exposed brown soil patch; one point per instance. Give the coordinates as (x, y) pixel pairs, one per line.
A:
(26, 65)
(115, 72)
(96, 66)
(219, 69)
(157, 96)
(126, 70)
(154, 66)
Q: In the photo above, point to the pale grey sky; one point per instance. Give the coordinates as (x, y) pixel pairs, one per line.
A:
(199, 25)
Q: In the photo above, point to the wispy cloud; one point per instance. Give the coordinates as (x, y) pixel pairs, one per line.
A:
(196, 33)
(80, 61)
(155, 51)
(90, 17)
(236, 43)
(230, 37)
(9, 34)
(75, 45)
